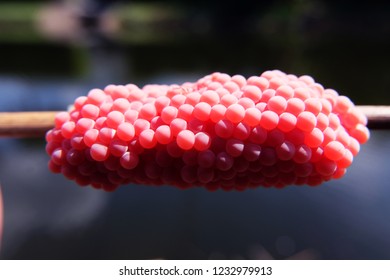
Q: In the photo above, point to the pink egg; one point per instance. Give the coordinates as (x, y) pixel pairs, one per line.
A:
(84, 124)
(322, 121)
(224, 161)
(360, 133)
(228, 100)
(314, 138)
(231, 86)
(269, 120)
(252, 92)
(163, 134)
(148, 111)
(285, 91)
(90, 137)
(306, 121)
(275, 137)
(239, 80)
(185, 112)
(326, 167)
(178, 100)
(313, 105)
(346, 160)
(80, 102)
(125, 131)
(202, 111)
(77, 142)
(61, 118)
(206, 159)
(119, 92)
(120, 105)
(114, 119)
(307, 79)
(214, 85)
(140, 125)
(285, 151)
(258, 135)
(329, 135)
(251, 152)
(252, 116)
(147, 139)
(302, 154)
(131, 116)
(217, 113)
(334, 121)
(67, 129)
(105, 108)
(210, 97)
(304, 169)
(342, 105)
(106, 134)
(317, 154)
(241, 131)
(96, 97)
(202, 141)
(246, 103)
(268, 157)
(295, 106)
(302, 93)
(275, 83)
(177, 125)
(129, 160)
(234, 147)
(224, 129)
(235, 113)
(75, 157)
(277, 104)
(185, 139)
(99, 152)
(334, 150)
(168, 114)
(261, 82)
(287, 122)
(118, 147)
(193, 98)
(354, 146)
(267, 95)
(161, 102)
(343, 137)
(58, 156)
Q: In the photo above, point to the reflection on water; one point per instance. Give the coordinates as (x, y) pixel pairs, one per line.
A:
(1, 217)
(35, 200)
(47, 216)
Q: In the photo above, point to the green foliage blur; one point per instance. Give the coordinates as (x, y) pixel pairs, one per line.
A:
(343, 45)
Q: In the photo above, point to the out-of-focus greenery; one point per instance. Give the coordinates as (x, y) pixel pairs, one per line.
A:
(17, 22)
(343, 45)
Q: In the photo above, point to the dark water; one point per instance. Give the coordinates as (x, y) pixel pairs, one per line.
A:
(49, 217)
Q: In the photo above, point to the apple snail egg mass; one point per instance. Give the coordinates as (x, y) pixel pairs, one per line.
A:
(222, 131)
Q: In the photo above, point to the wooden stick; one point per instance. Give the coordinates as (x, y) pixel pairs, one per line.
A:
(378, 116)
(35, 124)
(26, 124)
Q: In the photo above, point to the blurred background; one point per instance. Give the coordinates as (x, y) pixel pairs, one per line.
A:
(54, 51)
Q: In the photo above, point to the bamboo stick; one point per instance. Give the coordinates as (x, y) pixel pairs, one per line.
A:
(378, 116)
(26, 124)
(35, 124)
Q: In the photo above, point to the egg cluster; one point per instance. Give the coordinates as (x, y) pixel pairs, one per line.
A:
(220, 132)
